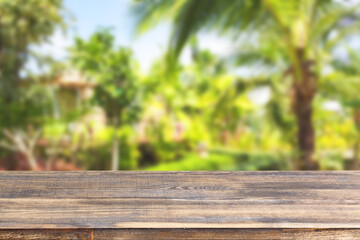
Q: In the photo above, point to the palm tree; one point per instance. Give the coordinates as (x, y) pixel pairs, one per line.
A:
(298, 31)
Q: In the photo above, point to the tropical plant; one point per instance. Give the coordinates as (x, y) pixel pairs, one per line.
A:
(22, 24)
(298, 31)
(114, 71)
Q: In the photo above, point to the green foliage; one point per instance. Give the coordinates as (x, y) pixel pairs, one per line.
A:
(199, 116)
(225, 160)
(113, 70)
(289, 37)
(23, 23)
(117, 87)
(96, 157)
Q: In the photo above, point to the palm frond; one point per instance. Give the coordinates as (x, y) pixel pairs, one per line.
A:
(150, 12)
(326, 22)
(190, 16)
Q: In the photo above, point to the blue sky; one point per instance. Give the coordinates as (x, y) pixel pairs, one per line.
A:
(91, 14)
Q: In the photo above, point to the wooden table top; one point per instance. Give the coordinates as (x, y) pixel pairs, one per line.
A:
(132, 199)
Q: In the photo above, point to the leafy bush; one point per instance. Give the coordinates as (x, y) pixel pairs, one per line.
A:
(226, 160)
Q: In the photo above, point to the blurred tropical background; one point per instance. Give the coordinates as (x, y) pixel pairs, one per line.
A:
(179, 85)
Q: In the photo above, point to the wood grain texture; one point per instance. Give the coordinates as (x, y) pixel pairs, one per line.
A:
(174, 234)
(178, 200)
(228, 234)
(53, 234)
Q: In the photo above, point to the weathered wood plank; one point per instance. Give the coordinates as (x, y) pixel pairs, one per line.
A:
(172, 200)
(228, 234)
(163, 233)
(50, 234)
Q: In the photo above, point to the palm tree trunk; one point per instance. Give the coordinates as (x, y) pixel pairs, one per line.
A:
(355, 160)
(305, 135)
(115, 147)
(304, 90)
